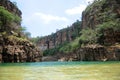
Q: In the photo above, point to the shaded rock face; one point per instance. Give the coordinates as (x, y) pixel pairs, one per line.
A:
(99, 54)
(14, 48)
(111, 37)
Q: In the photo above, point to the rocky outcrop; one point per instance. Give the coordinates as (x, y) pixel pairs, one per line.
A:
(18, 51)
(14, 46)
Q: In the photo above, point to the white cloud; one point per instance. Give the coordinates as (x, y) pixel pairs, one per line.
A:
(48, 18)
(76, 10)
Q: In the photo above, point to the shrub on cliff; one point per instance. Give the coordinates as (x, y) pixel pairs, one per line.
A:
(50, 52)
(71, 46)
(96, 3)
(89, 35)
(6, 17)
(111, 24)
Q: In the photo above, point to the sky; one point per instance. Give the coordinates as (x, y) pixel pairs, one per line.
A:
(43, 17)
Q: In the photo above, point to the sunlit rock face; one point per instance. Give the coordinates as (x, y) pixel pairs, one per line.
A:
(13, 47)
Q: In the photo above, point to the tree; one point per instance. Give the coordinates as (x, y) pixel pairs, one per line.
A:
(77, 27)
(7, 18)
(89, 35)
(28, 34)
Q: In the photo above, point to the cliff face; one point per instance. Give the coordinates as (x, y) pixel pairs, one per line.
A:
(60, 37)
(104, 13)
(14, 47)
(97, 12)
(102, 18)
(55, 39)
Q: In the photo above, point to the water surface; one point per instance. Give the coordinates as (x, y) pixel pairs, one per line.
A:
(60, 71)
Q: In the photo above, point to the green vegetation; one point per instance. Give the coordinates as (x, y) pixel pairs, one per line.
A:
(96, 3)
(113, 23)
(35, 40)
(106, 18)
(77, 28)
(66, 46)
(50, 52)
(21, 29)
(70, 47)
(6, 18)
(89, 36)
(54, 50)
(8, 23)
(16, 39)
(86, 36)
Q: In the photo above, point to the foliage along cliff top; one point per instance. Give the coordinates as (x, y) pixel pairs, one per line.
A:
(11, 7)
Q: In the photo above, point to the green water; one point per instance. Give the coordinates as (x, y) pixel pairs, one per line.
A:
(60, 71)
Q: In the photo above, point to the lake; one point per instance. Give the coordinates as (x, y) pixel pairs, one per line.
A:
(60, 71)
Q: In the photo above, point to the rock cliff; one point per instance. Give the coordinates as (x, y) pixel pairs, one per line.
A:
(100, 38)
(14, 46)
(60, 37)
(105, 14)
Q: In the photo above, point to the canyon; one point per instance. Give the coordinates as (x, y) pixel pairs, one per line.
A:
(94, 38)
(102, 18)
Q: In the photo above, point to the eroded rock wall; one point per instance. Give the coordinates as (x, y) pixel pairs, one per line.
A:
(60, 37)
(91, 53)
(13, 46)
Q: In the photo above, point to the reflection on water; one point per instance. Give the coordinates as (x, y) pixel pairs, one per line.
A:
(60, 71)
